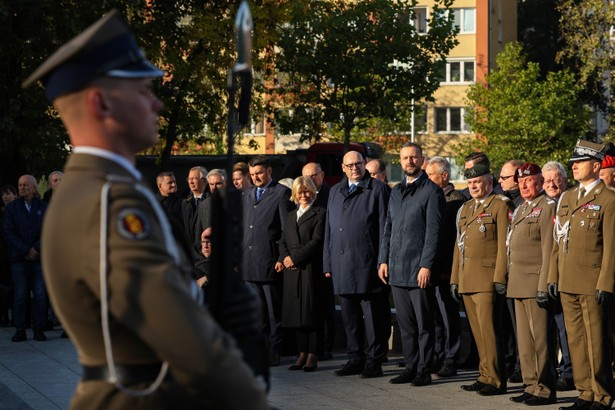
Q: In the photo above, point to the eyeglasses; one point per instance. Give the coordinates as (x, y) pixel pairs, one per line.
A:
(504, 178)
(353, 165)
(314, 175)
(373, 174)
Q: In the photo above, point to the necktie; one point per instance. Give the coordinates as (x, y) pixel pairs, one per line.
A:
(581, 194)
(259, 193)
(197, 201)
(351, 188)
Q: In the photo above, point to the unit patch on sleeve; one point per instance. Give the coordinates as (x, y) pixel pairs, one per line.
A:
(132, 224)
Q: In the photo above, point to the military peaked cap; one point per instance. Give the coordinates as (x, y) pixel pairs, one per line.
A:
(585, 150)
(105, 49)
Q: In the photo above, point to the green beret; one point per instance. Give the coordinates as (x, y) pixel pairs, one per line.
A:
(476, 171)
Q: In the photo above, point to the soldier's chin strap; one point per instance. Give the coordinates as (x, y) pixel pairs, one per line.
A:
(104, 292)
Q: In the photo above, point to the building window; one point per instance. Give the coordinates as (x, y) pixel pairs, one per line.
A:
(450, 120)
(465, 19)
(458, 72)
(419, 19)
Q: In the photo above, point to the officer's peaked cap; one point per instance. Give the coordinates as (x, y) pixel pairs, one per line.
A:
(585, 150)
(105, 49)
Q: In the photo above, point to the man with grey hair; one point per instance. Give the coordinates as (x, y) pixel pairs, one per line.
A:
(216, 178)
(53, 180)
(554, 185)
(197, 182)
(22, 224)
(447, 343)
(555, 179)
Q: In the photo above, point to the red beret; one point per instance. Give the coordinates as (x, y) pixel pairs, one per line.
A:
(608, 162)
(526, 170)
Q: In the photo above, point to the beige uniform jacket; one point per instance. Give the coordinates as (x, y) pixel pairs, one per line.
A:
(530, 245)
(152, 315)
(584, 248)
(481, 233)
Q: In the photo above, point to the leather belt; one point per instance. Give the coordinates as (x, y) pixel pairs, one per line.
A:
(126, 374)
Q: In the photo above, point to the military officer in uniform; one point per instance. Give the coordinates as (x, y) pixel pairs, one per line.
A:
(530, 241)
(582, 274)
(117, 280)
(479, 268)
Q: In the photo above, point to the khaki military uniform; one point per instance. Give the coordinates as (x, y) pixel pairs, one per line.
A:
(152, 317)
(530, 243)
(479, 260)
(583, 262)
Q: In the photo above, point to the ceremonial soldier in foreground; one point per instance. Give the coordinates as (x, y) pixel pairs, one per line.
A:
(117, 280)
(479, 268)
(530, 241)
(582, 274)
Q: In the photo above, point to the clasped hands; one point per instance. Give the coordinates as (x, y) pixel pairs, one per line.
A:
(286, 263)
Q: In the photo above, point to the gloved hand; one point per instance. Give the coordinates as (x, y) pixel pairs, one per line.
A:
(542, 298)
(553, 292)
(603, 297)
(500, 288)
(240, 313)
(455, 292)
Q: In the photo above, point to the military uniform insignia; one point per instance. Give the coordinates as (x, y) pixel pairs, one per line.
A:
(535, 213)
(510, 215)
(132, 224)
(590, 207)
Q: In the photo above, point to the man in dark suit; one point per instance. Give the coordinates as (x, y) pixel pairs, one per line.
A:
(314, 171)
(265, 207)
(197, 182)
(447, 322)
(22, 223)
(582, 274)
(356, 215)
(167, 194)
(407, 254)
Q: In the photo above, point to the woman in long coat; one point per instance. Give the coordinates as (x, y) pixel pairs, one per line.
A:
(301, 260)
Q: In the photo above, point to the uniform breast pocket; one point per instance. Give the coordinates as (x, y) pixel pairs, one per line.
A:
(487, 227)
(587, 221)
(532, 227)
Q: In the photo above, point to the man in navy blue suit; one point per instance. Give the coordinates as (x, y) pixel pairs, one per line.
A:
(265, 207)
(355, 221)
(23, 220)
(407, 255)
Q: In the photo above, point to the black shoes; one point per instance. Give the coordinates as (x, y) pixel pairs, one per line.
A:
(579, 404)
(421, 380)
(564, 384)
(540, 401)
(515, 377)
(476, 386)
(39, 335)
(599, 406)
(406, 376)
(447, 371)
(372, 369)
(521, 399)
(491, 390)
(352, 367)
(19, 336)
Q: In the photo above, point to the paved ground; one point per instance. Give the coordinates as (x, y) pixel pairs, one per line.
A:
(42, 375)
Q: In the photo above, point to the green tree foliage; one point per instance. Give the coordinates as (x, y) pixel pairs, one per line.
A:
(585, 30)
(343, 63)
(193, 40)
(518, 115)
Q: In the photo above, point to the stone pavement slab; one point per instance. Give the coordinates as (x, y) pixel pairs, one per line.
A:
(42, 375)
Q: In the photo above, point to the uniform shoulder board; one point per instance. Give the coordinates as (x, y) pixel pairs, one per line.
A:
(502, 197)
(551, 201)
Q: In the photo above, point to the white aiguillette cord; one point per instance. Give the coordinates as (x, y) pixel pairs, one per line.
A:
(104, 303)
